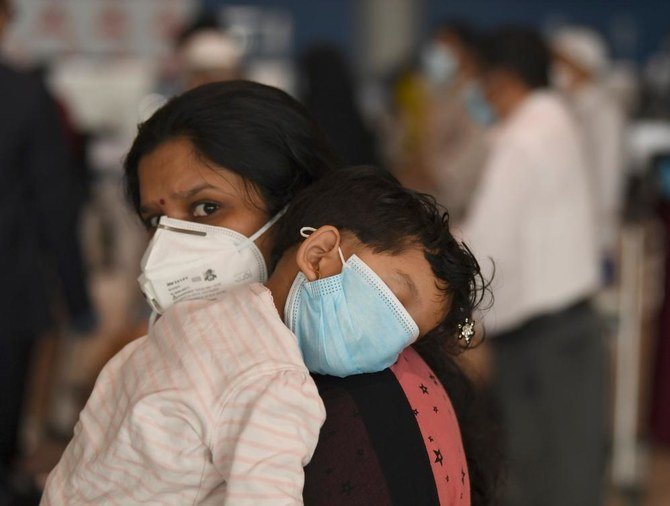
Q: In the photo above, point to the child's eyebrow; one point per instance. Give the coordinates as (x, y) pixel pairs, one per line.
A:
(414, 292)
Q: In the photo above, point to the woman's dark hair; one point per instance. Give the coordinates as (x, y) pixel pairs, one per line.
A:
(372, 205)
(257, 131)
(520, 50)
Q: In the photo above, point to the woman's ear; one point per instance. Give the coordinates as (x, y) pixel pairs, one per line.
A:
(318, 256)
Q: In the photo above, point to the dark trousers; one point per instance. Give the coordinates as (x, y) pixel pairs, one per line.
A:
(551, 387)
(15, 358)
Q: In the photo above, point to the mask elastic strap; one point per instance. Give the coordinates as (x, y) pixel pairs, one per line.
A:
(306, 231)
(344, 263)
(152, 319)
(267, 226)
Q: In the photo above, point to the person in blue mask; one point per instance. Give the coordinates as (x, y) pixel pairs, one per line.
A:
(533, 215)
(457, 119)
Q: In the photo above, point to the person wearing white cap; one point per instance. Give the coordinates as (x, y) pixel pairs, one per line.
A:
(580, 67)
(210, 55)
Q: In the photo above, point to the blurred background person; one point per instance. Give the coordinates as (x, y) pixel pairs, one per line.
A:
(457, 119)
(329, 92)
(656, 83)
(532, 217)
(406, 128)
(40, 251)
(660, 402)
(208, 55)
(580, 71)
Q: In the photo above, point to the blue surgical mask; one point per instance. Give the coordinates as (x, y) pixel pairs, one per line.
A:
(478, 107)
(350, 323)
(439, 63)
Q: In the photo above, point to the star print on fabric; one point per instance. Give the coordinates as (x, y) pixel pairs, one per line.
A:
(438, 456)
(415, 411)
(423, 388)
(447, 477)
(462, 477)
(347, 488)
(430, 438)
(433, 379)
(435, 409)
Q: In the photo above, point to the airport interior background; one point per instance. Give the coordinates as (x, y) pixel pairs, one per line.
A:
(109, 64)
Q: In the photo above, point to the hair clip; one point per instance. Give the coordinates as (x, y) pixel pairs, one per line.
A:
(466, 331)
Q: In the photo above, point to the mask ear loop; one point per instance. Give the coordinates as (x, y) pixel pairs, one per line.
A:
(344, 263)
(267, 226)
(307, 231)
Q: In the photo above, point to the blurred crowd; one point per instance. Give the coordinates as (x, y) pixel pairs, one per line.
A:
(551, 157)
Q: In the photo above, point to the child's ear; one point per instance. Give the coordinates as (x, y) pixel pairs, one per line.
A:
(318, 256)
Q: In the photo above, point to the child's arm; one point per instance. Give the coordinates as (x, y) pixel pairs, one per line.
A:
(267, 432)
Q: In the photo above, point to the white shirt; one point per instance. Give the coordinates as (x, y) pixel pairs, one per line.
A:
(214, 406)
(532, 215)
(602, 121)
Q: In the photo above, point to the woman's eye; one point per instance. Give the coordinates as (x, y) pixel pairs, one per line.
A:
(205, 209)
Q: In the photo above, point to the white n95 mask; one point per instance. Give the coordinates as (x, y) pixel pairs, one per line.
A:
(187, 260)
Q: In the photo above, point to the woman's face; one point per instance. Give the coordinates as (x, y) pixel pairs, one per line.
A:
(176, 182)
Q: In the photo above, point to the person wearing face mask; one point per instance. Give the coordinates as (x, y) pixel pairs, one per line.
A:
(457, 119)
(532, 216)
(580, 65)
(215, 405)
(231, 156)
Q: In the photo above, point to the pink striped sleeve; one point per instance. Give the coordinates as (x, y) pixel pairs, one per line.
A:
(267, 432)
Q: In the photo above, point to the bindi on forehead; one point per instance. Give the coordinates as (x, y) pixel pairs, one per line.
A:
(162, 202)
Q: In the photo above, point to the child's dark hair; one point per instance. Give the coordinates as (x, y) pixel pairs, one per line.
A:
(371, 204)
(383, 215)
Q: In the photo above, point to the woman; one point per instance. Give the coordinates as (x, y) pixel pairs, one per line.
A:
(233, 155)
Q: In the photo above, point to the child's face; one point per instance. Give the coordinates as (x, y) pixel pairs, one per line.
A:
(408, 274)
(411, 279)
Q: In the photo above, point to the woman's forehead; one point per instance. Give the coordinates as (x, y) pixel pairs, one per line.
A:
(175, 167)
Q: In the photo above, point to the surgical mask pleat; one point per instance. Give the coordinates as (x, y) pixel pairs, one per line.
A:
(350, 323)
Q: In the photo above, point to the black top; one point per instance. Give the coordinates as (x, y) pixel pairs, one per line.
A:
(370, 449)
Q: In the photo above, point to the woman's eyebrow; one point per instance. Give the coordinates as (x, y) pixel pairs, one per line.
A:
(182, 195)
(185, 194)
